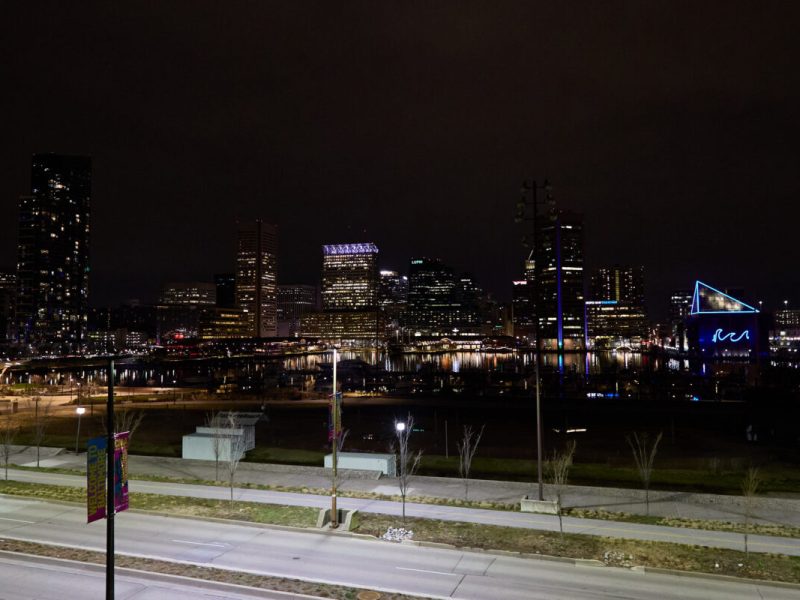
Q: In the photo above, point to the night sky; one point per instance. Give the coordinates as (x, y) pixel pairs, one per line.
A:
(673, 128)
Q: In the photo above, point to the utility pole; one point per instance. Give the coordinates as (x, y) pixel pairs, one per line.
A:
(334, 444)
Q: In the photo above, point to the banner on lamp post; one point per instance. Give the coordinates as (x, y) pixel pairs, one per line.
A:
(121, 471)
(96, 453)
(96, 479)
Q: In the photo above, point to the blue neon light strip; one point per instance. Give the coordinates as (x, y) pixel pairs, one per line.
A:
(730, 336)
(695, 309)
(559, 275)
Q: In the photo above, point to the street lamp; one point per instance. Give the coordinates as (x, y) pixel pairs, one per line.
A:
(80, 410)
(400, 427)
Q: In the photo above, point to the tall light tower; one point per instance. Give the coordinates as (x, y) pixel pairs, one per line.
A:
(529, 199)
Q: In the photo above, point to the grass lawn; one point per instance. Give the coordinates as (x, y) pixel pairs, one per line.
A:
(610, 551)
(253, 512)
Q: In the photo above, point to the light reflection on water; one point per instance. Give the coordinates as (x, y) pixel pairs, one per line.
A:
(592, 362)
(168, 374)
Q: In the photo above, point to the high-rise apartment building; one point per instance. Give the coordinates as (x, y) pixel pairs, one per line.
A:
(349, 276)
(559, 301)
(615, 310)
(257, 276)
(53, 254)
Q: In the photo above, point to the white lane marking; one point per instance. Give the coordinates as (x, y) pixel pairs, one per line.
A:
(215, 544)
(426, 571)
(15, 520)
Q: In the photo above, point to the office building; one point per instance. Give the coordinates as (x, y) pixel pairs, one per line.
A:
(53, 254)
(559, 281)
(217, 323)
(615, 311)
(393, 300)
(194, 293)
(349, 296)
(350, 277)
(257, 276)
(441, 304)
(680, 302)
(226, 290)
(294, 301)
(523, 313)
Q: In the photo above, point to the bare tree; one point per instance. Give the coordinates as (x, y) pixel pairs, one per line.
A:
(466, 452)
(750, 484)
(41, 418)
(7, 435)
(236, 447)
(86, 389)
(407, 461)
(213, 422)
(644, 455)
(125, 420)
(560, 465)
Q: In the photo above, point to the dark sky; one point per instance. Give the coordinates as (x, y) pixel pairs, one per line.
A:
(674, 128)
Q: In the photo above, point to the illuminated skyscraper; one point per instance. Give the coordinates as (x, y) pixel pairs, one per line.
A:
(53, 254)
(615, 310)
(349, 295)
(350, 277)
(440, 304)
(294, 300)
(8, 298)
(560, 299)
(256, 276)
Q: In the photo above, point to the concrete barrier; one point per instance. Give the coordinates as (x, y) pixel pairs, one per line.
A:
(545, 507)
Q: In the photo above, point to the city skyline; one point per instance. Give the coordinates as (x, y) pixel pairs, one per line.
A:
(672, 136)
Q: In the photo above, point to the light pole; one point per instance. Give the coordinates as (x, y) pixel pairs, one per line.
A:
(531, 187)
(334, 443)
(79, 411)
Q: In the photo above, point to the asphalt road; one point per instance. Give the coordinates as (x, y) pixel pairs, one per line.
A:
(712, 539)
(28, 578)
(361, 563)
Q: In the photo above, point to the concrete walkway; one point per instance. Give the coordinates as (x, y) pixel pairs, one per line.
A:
(767, 510)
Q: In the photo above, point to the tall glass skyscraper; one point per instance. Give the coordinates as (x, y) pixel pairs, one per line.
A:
(53, 254)
(257, 276)
(350, 277)
(559, 272)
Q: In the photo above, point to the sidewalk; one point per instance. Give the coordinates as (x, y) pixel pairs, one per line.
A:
(767, 510)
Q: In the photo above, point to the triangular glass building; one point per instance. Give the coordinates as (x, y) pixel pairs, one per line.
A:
(709, 300)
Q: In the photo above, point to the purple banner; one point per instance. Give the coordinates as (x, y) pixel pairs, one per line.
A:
(121, 471)
(96, 479)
